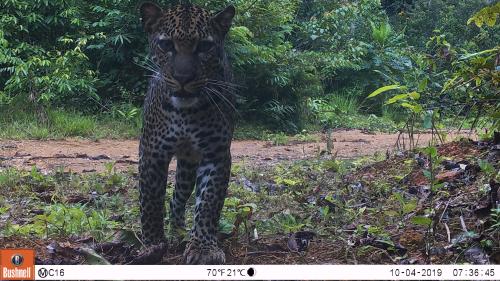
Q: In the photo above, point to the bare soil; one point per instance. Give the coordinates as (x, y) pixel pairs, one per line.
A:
(80, 155)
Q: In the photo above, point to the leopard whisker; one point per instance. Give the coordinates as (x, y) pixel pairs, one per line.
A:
(230, 91)
(218, 108)
(156, 73)
(224, 99)
(148, 68)
(222, 87)
(226, 83)
(226, 87)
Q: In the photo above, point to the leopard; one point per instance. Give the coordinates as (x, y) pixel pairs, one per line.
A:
(188, 113)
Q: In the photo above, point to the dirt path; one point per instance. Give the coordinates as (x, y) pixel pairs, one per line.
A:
(88, 156)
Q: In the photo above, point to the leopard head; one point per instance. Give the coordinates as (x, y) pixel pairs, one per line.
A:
(187, 46)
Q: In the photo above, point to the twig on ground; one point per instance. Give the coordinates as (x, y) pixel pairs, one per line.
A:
(462, 222)
(447, 232)
(139, 239)
(444, 211)
(256, 253)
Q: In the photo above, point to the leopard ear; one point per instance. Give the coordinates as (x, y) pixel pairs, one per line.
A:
(224, 18)
(150, 12)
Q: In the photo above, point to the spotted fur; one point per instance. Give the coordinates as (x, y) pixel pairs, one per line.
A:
(188, 113)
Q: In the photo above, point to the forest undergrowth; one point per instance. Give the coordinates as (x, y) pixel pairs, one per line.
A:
(429, 205)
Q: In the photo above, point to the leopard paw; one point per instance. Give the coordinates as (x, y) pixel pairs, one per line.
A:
(197, 253)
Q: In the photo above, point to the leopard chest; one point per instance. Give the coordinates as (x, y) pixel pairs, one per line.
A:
(194, 133)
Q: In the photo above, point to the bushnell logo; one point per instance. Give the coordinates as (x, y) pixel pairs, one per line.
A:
(17, 260)
(17, 264)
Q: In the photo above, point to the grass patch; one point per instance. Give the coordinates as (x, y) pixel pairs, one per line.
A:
(59, 124)
(369, 122)
(72, 124)
(245, 131)
(342, 111)
(20, 124)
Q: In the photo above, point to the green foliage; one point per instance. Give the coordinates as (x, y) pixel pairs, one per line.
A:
(279, 138)
(39, 65)
(420, 20)
(486, 15)
(487, 168)
(9, 178)
(69, 53)
(50, 194)
(85, 56)
(61, 220)
(495, 220)
(283, 223)
(342, 110)
(449, 81)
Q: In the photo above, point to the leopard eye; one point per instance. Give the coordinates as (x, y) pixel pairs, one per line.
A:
(205, 46)
(166, 45)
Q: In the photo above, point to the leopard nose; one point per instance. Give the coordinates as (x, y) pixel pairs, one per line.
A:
(183, 79)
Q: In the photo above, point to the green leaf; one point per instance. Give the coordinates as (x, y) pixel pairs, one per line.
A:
(390, 213)
(486, 15)
(490, 21)
(385, 89)
(417, 108)
(92, 257)
(396, 98)
(324, 211)
(409, 207)
(386, 242)
(431, 151)
(486, 167)
(478, 81)
(468, 56)
(423, 84)
(225, 226)
(247, 209)
(421, 221)
(414, 95)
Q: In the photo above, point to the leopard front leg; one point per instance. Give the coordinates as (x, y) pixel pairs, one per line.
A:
(153, 167)
(185, 178)
(211, 188)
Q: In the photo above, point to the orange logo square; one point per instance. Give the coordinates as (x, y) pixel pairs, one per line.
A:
(17, 264)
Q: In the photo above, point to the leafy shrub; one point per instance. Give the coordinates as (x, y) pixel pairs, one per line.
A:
(86, 55)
